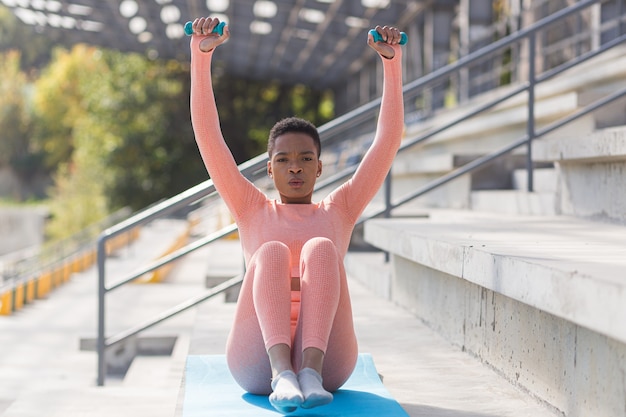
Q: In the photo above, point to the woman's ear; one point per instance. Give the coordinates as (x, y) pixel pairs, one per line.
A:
(269, 169)
(319, 168)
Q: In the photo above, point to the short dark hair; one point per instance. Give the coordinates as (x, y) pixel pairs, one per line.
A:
(293, 124)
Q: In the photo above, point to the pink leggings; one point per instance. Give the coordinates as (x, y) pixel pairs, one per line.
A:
(264, 315)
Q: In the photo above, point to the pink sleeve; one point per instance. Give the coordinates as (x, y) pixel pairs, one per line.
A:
(233, 187)
(356, 194)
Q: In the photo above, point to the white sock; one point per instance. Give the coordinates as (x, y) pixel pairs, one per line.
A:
(286, 396)
(311, 385)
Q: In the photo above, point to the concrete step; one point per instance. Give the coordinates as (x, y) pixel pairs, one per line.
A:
(163, 370)
(544, 180)
(426, 374)
(541, 299)
(223, 261)
(588, 168)
(118, 401)
(371, 270)
(514, 202)
(601, 146)
(591, 170)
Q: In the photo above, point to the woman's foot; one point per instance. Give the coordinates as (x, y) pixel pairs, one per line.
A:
(286, 396)
(311, 385)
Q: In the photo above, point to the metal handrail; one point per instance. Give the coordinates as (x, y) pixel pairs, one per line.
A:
(256, 165)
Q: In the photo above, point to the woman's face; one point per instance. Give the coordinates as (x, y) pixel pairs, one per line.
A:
(294, 167)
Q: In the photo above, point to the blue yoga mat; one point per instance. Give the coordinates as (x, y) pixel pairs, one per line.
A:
(210, 390)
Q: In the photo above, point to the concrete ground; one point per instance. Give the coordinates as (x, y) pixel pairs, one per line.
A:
(44, 373)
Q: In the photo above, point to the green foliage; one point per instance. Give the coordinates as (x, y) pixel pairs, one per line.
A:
(17, 149)
(77, 199)
(14, 117)
(74, 141)
(59, 101)
(145, 104)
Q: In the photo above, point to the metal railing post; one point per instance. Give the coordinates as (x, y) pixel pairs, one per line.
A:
(388, 180)
(387, 214)
(530, 124)
(100, 342)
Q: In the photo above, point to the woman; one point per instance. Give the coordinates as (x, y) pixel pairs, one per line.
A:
(293, 336)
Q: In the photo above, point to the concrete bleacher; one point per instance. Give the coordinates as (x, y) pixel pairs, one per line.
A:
(533, 284)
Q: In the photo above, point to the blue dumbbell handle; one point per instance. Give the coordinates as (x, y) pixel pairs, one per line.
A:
(219, 29)
(378, 38)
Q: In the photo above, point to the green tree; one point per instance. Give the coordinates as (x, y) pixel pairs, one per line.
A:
(146, 105)
(14, 123)
(78, 198)
(74, 141)
(59, 101)
(17, 150)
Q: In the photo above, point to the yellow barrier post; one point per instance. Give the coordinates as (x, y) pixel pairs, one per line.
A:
(67, 271)
(6, 302)
(43, 285)
(30, 291)
(18, 299)
(86, 258)
(159, 274)
(76, 265)
(57, 277)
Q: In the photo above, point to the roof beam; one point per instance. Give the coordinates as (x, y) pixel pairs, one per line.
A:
(287, 33)
(306, 52)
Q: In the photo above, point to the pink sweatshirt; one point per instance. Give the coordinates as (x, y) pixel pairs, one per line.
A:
(261, 219)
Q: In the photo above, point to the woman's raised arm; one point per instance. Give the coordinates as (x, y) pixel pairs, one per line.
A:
(218, 159)
(371, 173)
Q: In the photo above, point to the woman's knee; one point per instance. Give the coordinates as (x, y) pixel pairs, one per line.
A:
(272, 251)
(319, 257)
(320, 245)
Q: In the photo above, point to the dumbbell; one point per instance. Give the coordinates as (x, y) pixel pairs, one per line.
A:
(378, 38)
(219, 29)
